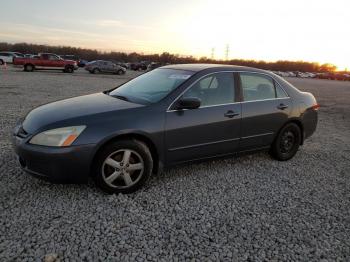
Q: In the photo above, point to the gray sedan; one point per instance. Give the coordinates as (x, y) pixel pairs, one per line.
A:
(168, 116)
(100, 66)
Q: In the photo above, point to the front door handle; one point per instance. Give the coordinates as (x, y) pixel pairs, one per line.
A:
(231, 114)
(282, 106)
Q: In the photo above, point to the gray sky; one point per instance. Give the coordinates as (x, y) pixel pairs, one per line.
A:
(254, 29)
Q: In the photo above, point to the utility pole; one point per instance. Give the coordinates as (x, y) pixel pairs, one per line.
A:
(212, 53)
(227, 51)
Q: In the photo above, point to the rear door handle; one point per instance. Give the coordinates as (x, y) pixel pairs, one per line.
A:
(231, 114)
(282, 106)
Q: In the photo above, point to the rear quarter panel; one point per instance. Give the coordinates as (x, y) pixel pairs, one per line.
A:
(309, 116)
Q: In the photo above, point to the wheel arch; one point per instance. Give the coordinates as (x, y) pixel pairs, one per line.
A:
(298, 123)
(27, 64)
(136, 136)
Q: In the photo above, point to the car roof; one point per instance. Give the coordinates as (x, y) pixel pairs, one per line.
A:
(209, 67)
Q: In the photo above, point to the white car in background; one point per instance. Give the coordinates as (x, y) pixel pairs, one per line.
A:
(291, 74)
(7, 57)
(307, 75)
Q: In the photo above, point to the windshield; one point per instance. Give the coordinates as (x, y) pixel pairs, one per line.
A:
(151, 87)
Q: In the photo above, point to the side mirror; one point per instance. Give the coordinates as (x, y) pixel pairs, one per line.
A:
(188, 103)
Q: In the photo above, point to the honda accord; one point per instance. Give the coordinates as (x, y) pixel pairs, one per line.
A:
(171, 115)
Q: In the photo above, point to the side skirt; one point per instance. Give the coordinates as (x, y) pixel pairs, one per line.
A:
(239, 153)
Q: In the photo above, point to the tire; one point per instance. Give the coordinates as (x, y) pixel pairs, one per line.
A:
(287, 142)
(120, 72)
(123, 167)
(28, 68)
(1, 62)
(96, 71)
(69, 69)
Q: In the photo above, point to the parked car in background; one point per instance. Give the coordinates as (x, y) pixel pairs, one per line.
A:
(70, 57)
(101, 66)
(82, 62)
(7, 57)
(291, 74)
(46, 61)
(153, 66)
(168, 116)
(138, 66)
(125, 65)
(306, 75)
(18, 54)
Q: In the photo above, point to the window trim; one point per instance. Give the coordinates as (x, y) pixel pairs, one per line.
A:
(276, 84)
(238, 89)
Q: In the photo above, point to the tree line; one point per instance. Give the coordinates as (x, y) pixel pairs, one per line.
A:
(164, 58)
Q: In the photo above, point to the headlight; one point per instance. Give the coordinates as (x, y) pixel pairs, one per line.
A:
(59, 137)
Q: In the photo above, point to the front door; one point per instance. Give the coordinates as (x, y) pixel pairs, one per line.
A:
(211, 130)
(265, 108)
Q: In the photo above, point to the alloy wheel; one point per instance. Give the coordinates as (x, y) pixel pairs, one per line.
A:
(122, 169)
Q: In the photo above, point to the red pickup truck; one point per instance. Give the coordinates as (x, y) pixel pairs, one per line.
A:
(46, 61)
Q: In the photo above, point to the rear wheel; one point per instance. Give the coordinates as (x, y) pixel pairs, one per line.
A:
(68, 69)
(287, 142)
(29, 68)
(96, 71)
(123, 166)
(1, 62)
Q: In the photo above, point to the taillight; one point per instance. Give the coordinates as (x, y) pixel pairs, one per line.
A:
(315, 107)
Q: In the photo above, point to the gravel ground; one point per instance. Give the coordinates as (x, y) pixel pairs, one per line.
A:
(250, 208)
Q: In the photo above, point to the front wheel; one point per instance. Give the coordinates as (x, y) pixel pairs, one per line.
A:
(1, 62)
(286, 143)
(123, 166)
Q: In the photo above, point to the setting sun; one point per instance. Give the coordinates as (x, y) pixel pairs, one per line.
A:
(260, 30)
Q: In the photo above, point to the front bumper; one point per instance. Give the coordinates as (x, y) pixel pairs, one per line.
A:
(57, 165)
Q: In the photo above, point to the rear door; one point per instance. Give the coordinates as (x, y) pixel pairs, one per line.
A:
(104, 66)
(55, 62)
(265, 109)
(111, 67)
(212, 129)
(42, 62)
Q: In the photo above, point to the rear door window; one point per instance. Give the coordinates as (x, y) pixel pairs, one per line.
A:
(257, 87)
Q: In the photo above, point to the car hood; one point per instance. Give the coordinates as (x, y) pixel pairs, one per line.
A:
(75, 107)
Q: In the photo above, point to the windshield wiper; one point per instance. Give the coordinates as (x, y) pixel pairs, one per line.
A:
(121, 97)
